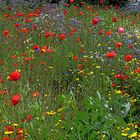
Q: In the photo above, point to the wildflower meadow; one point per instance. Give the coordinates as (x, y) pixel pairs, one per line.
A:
(72, 73)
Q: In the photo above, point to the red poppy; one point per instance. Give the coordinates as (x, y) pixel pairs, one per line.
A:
(23, 54)
(88, 7)
(123, 77)
(117, 76)
(5, 32)
(95, 21)
(110, 54)
(71, 1)
(28, 118)
(101, 2)
(67, 5)
(128, 57)
(118, 44)
(52, 34)
(27, 58)
(65, 12)
(70, 33)
(49, 50)
(100, 32)
(62, 36)
(75, 57)
(14, 76)
(5, 138)
(73, 29)
(114, 19)
(9, 128)
(36, 93)
(35, 47)
(80, 13)
(81, 2)
(113, 84)
(1, 80)
(47, 34)
(15, 99)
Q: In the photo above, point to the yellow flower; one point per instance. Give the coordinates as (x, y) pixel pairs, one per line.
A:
(133, 100)
(81, 72)
(98, 67)
(60, 109)
(51, 113)
(91, 73)
(8, 132)
(98, 45)
(133, 135)
(118, 92)
(126, 129)
(77, 79)
(124, 134)
(138, 36)
(103, 136)
(14, 124)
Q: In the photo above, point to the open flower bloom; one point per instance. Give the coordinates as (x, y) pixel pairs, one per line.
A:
(95, 21)
(15, 99)
(14, 76)
(110, 54)
(120, 30)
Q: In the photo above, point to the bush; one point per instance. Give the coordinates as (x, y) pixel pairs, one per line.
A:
(103, 2)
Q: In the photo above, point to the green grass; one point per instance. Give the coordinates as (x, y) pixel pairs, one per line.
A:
(76, 98)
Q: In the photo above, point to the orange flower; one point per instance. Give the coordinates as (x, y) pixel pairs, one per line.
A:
(108, 33)
(43, 49)
(1, 80)
(75, 57)
(137, 70)
(78, 39)
(79, 66)
(24, 30)
(36, 93)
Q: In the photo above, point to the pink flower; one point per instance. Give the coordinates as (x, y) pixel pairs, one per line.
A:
(101, 2)
(120, 30)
